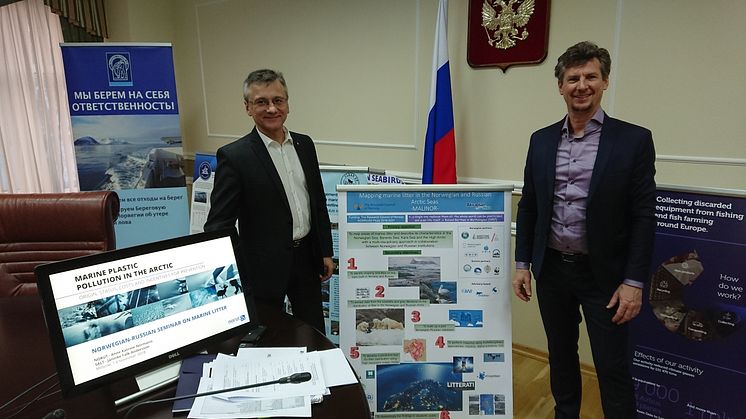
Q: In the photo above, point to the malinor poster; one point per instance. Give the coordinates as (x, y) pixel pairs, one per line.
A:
(425, 316)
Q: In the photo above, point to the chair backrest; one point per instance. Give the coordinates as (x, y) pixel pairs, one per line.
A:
(41, 228)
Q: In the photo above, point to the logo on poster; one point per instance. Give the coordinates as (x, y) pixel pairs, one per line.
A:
(483, 375)
(349, 178)
(205, 170)
(119, 66)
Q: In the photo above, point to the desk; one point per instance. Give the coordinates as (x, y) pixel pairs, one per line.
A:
(26, 358)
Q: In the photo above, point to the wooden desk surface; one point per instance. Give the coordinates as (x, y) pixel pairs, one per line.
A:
(26, 359)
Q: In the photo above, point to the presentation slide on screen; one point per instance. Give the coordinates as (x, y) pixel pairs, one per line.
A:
(117, 314)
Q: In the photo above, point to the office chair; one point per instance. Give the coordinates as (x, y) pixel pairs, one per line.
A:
(40, 228)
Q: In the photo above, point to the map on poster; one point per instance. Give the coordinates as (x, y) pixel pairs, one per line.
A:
(425, 315)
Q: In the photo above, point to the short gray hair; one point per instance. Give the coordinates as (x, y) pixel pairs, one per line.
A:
(581, 53)
(263, 76)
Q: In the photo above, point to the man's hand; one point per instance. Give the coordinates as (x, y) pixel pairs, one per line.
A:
(630, 301)
(522, 284)
(328, 269)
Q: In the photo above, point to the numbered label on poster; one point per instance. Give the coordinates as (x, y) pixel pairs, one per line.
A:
(415, 316)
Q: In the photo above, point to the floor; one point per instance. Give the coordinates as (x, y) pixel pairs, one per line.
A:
(532, 398)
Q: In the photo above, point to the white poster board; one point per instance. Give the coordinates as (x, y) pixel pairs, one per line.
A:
(425, 317)
(331, 176)
(203, 182)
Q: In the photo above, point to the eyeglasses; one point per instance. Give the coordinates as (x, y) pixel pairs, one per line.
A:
(262, 103)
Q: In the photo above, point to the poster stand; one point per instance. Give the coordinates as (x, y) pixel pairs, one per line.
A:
(425, 316)
(686, 343)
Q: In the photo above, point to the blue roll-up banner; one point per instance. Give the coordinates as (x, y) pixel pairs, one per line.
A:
(331, 176)
(202, 184)
(125, 119)
(687, 342)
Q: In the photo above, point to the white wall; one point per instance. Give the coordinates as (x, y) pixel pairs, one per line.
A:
(358, 73)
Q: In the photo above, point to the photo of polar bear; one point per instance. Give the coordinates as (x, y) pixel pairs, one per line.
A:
(379, 326)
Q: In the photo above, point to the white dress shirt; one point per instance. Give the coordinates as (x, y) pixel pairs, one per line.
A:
(287, 163)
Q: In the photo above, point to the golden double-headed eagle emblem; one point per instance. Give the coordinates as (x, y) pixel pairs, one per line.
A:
(502, 27)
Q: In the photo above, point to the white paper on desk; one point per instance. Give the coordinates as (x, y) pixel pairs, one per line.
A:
(337, 372)
(260, 353)
(212, 407)
(230, 372)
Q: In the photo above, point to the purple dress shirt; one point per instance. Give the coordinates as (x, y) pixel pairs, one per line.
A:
(576, 156)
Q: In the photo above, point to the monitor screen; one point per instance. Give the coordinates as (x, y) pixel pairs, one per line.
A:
(119, 313)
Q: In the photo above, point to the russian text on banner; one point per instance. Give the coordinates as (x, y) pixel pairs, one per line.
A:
(125, 120)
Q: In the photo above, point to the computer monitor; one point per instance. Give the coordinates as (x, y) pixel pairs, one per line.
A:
(115, 314)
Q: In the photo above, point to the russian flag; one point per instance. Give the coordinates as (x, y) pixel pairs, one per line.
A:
(439, 165)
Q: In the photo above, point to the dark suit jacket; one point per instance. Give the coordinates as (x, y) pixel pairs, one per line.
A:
(248, 188)
(620, 217)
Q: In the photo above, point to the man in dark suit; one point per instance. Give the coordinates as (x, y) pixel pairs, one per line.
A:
(585, 227)
(270, 182)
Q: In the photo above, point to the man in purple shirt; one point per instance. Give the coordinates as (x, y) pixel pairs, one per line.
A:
(585, 228)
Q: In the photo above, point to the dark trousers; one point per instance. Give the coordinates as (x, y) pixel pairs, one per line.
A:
(564, 288)
(304, 288)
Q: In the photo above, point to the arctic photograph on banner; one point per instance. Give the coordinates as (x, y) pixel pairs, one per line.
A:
(128, 152)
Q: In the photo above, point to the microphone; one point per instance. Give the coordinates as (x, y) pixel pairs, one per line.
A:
(56, 414)
(297, 378)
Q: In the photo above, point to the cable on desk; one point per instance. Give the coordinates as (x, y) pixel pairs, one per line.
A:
(42, 394)
(8, 403)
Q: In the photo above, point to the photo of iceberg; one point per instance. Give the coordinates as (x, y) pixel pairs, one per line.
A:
(413, 270)
(128, 152)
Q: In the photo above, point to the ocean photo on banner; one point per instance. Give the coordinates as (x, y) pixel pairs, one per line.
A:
(128, 152)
